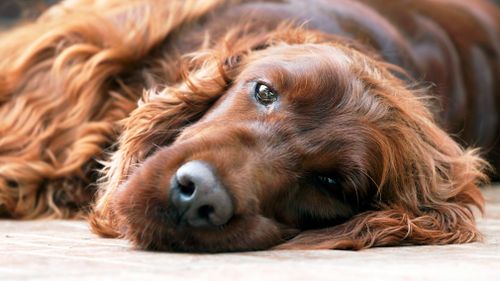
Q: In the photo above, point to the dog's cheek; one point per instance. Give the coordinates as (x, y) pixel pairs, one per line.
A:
(140, 204)
(138, 212)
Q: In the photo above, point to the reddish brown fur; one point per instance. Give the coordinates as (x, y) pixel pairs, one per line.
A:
(70, 83)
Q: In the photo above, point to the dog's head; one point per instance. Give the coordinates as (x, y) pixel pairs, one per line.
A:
(294, 139)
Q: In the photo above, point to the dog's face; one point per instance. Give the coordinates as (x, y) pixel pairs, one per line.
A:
(288, 147)
(302, 139)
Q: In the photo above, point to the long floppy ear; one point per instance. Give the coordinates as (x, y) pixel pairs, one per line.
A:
(434, 209)
(427, 185)
(61, 95)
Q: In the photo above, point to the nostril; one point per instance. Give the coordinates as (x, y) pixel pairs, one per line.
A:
(187, 189)
(205, 211)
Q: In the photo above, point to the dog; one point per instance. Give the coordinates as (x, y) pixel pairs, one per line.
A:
(215, 126)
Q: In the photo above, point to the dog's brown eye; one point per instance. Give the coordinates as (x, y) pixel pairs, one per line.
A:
(329, 184)
(326, 180)
(264, 94)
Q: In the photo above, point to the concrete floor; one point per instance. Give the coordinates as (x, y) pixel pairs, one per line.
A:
(66, 250)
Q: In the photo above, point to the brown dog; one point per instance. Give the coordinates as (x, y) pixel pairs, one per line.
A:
(243, 125)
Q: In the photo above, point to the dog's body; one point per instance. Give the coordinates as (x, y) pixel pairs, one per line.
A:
(329, 112)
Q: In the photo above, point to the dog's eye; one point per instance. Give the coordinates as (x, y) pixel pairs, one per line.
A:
(264, 95)
(325, 181)
(330, 184)
(328, 181)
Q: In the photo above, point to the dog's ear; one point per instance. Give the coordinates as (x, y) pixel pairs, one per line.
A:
(425, 185)
(429, 203)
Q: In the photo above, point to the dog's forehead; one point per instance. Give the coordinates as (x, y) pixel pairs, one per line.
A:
(307, 68)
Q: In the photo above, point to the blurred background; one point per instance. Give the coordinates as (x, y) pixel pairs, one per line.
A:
(13, 11)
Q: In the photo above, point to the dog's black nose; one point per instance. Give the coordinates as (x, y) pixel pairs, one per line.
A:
(199, 196)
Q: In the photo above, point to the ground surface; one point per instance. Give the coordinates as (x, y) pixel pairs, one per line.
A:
(66, 250)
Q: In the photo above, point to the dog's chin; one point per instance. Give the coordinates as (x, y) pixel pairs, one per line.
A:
(239, 234)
